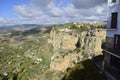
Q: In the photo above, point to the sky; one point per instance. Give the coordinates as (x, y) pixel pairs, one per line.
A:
(51, 11)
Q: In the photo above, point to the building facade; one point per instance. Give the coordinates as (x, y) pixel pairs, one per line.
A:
(112, 47)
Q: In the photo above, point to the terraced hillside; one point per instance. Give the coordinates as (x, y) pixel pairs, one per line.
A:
(27, 61)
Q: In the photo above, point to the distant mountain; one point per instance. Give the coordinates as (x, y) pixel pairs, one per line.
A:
(22, 27)
(5, 30)
(31, 31)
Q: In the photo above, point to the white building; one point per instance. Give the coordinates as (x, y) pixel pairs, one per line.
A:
(113, 17)
(112, 50)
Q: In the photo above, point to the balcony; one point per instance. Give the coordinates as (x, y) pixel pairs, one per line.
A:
(114, 52)
(114, 67)
(111, 29)
(110, 74)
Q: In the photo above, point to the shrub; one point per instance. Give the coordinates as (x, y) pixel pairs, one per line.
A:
(85, 70)
(77, 50)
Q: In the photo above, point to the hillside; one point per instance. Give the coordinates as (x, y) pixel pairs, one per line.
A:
(50, 54)
(22, 27)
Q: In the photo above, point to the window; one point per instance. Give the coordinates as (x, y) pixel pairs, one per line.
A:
(117, 42)
(113, 1)
(114, 20)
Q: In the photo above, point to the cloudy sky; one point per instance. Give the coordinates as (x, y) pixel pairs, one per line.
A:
(51, 11)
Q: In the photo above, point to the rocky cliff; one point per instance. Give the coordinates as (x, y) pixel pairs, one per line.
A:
(71, 46)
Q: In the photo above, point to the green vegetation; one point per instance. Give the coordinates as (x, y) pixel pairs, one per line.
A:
(77, 50)
(101, 27)
(79, 29)
(27, 61)
(85, 70)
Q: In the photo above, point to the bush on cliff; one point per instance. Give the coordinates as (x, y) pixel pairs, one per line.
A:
(85, 70)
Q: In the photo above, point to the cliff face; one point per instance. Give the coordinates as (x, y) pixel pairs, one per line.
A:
(63, 40)
(71, 47)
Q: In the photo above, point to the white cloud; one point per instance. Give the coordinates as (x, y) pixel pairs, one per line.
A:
(47, 12)
(5, 22)
(43, 4)
(87, 3)
(71, 12)
(24, 11)
(96, 13)
(55, 12)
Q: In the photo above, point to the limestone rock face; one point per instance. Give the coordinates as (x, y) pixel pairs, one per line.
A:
(67, 54)
(100, 38)
(63, 40)
(62, 63)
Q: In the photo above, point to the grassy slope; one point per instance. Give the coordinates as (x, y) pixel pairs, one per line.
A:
(21, 63)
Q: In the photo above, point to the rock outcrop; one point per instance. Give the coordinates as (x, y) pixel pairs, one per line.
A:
(71, 47)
